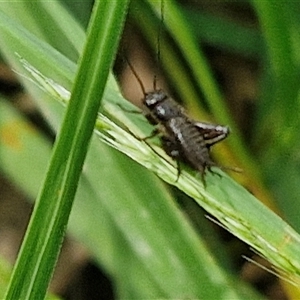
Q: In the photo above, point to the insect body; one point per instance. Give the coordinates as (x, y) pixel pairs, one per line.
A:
(182, 138)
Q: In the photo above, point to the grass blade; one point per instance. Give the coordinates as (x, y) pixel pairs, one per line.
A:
(43, 238)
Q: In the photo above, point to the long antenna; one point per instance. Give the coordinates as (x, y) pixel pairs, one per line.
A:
(158, 44)
(136, 76)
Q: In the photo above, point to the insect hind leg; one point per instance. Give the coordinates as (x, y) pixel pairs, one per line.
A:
(209, 168)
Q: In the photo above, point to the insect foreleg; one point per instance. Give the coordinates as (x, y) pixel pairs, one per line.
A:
(154, 133)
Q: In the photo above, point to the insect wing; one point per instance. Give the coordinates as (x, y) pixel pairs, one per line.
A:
(211, 133)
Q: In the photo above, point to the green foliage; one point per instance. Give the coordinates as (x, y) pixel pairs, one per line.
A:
(150, 249)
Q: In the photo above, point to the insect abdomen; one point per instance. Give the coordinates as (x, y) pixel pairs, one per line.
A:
(191, 144)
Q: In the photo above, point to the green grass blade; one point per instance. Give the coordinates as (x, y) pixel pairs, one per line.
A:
(54, 25)
(224, 33)
(277, 136)
(42, 241)
(274, 20)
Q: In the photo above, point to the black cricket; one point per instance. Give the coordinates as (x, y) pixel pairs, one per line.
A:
(184, 139)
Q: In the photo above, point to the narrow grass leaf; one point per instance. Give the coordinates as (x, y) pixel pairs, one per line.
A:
(46, 229)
